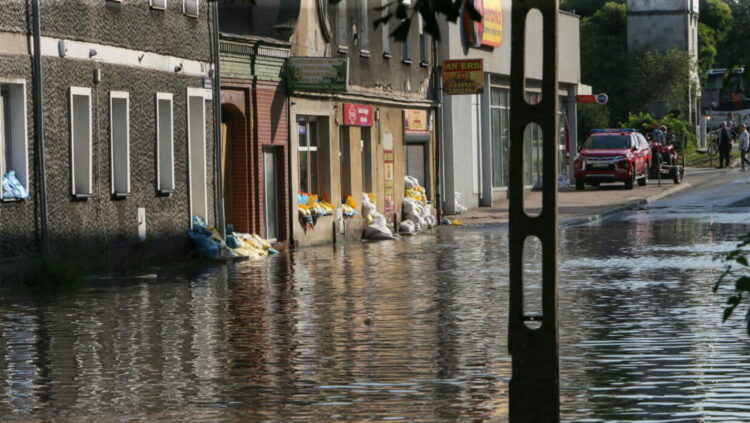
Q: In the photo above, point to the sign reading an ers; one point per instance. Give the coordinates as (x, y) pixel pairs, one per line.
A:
(463, 76)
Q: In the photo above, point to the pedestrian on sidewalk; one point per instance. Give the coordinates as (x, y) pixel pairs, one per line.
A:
(744, 145)
(725, 145)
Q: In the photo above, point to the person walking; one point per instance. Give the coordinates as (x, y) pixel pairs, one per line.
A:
(725, 145)
(744, 145)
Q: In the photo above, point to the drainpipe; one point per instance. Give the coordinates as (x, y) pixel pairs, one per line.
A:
(39, 126)
(219, 186)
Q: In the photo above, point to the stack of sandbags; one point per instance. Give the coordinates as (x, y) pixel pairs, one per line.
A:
(376, 226)
(416, 213)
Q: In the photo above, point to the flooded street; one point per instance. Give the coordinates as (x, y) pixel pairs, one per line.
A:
(410, 331)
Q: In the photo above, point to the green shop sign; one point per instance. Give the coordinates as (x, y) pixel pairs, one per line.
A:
(318, 74)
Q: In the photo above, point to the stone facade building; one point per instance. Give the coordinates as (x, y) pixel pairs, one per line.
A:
(128, 126)
(360, 138)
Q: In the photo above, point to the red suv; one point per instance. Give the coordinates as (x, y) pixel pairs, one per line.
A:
(613, 155)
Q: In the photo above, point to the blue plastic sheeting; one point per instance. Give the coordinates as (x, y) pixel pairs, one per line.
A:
(200, 237)
(12, 188)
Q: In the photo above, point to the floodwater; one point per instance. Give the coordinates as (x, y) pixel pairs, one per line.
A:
(411, 331)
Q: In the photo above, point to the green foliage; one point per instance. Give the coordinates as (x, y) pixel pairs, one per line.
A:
(734, 48)
(736, 268)
(584, 8)
(644, 123)
(604, 49)
(592, 116)
(714, 24)
(658, 76)
(707, 50)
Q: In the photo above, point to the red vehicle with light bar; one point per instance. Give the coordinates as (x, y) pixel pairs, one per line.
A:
(613, 155)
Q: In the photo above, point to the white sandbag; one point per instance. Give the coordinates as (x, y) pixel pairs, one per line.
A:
(410, 182)
(377, 232)
(407, 226)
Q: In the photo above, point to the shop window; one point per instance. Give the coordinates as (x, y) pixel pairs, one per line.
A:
(119, 116)
(190, 7)
(500, 115)
(158, 4)
(13, 139)
(165, 182)
(313, 151)
(80, 142)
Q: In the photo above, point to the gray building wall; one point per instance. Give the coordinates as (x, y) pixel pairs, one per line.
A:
(103, 220)
(663, 24)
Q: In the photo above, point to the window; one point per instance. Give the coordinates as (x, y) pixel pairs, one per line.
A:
(500, 120)
(406, 51)
(158, 4)
(13, 138)
(119, 118)
(190, 7)
(424, 45)
(197, 166)
(385, 31)
(341, 33)
(164, 144)
(363, 31)
(80, 142)
(308, 155)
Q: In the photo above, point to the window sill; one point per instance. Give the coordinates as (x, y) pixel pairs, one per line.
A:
(13, 200)
(364, 53)
(387, 55)
(406, 61)
(424, 64)
(343, 50)
(121, 195)
(165, 192)
(81, 197)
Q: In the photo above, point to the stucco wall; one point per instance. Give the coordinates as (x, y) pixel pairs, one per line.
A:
(102, 216)
(13, 15)
(131, 23)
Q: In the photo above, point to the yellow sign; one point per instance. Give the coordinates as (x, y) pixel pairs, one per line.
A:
(492, 23)
(416, 122)
(463, 76)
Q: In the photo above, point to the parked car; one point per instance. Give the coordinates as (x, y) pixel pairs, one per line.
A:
(613, 155)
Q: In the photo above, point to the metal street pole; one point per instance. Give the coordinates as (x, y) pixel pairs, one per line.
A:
(534, 385)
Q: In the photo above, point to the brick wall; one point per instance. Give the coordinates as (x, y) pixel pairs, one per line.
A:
(271, 129)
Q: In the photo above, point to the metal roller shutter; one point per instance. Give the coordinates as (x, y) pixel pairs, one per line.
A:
(415, 165)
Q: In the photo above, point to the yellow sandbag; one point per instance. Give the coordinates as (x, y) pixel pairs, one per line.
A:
(350, 202)
(457, 222)
(312, 200)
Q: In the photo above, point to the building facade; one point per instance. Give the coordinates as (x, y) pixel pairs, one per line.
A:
(475, 128)
(255, 134)
(128, 139)
(664, 25)
(363, 136)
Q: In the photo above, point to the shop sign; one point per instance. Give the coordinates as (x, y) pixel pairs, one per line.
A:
(464, 76)
(488, 31)
(416, 122)
(318, 74)
(357, 114)
(593, 98)
(390, 205)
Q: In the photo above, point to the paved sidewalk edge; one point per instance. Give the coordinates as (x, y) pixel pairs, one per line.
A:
(578, 221)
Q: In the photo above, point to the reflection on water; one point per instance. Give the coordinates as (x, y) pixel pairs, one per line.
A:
(412, 331)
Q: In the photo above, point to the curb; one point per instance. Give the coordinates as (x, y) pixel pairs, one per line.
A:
(578, 221)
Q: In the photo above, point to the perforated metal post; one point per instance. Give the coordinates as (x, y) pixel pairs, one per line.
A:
(534, 385)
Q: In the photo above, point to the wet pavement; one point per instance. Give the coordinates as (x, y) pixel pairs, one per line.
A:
(409, 331)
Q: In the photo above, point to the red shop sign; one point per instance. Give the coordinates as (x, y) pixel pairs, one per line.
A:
(357, 114)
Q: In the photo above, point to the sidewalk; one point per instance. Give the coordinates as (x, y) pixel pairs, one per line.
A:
(581, 207)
